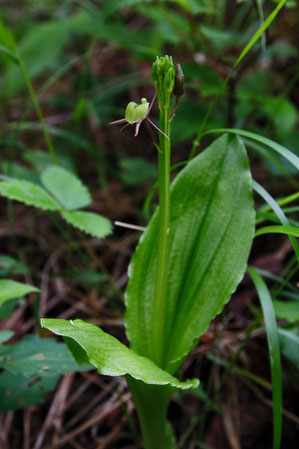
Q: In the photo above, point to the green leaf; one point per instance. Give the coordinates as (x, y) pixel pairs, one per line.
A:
(28, 193)
(287, 310)
(289, 342)
(12, 289)
(278, 211)
(66, 188)
(211, 231)
(34, 356)
(7, 308)
(11, 266)
(18, 392)
(280, 149)
(108, 355)
(288, 230)
(9, 53)
(88, 222)
(5, 335)
(273, 343)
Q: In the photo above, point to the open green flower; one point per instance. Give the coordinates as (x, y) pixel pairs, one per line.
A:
(136, 113)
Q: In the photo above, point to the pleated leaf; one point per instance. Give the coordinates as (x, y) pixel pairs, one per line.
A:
(66, 188)
(108, 355)
(211, 231)
(89, 222)
(28, 193)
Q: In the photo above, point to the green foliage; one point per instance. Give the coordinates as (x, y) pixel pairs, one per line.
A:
(10, 266)
(289, 341)
(19, 392)
(287, 310)
(108, 355)
(137, 170)
(273, 343)
(66, 188)
(12, 289)
(32, 367)
(207, 257)
(28, 193)
(33, 356)
(88, 222)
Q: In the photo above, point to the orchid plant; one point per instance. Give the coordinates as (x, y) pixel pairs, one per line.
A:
(189, 260)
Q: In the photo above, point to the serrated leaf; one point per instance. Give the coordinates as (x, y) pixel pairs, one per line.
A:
(109, 356)
(18, 392)
(88, 222)
(34, 356)
(28, 193)
(211, 231)
(66, 188)
(12, 289)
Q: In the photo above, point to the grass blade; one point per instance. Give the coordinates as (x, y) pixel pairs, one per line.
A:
(273, 344)
(287, 154)
(278, 211)
(288, 230)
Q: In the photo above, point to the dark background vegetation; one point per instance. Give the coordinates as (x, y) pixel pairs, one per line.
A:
(87, 59)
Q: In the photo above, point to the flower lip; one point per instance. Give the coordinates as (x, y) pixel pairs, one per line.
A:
(136, 112)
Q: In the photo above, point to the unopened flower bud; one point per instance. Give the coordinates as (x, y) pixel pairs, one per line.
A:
(178, 89)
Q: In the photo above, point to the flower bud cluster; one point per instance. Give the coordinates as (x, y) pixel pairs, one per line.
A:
(163, 75)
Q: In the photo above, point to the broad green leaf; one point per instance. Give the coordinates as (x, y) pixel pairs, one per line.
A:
(108, 355)
(18, 392)
(88, 222)
(28, 193)
(287, 310)
(211, 230)
(12, 289)
(34, 356)
(66, 188)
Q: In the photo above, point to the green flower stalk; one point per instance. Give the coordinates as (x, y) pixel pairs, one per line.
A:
(163, 75)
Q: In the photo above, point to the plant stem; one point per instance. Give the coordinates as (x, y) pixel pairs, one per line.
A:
(36, 106)
(163, 237)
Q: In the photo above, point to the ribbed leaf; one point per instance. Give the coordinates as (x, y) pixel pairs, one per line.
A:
(66, 188)
(108, 355)
(12, 289)
(88, 222)
(28, 193)
(211, 230)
